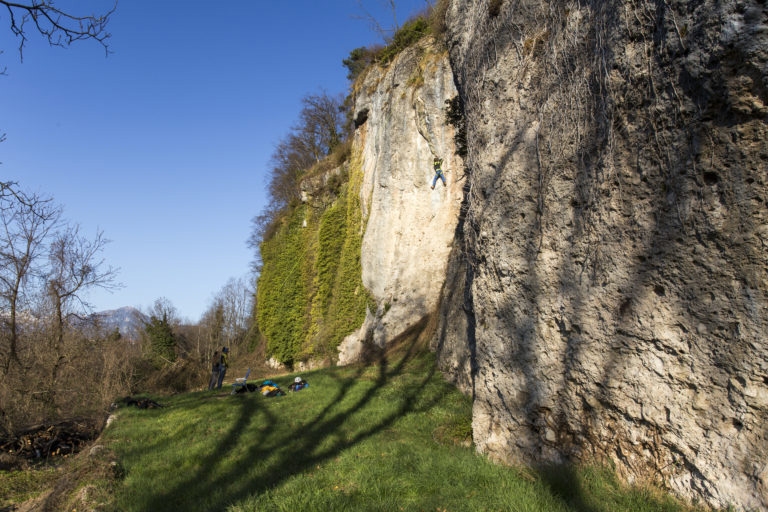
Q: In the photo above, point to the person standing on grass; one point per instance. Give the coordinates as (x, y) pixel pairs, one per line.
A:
(214, 371)
(223, 365)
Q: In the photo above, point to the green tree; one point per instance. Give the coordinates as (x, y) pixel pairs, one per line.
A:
(359, 59)
(159, 333)
(162, 340)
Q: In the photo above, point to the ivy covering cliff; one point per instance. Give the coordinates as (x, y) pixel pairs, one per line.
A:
(310, 292)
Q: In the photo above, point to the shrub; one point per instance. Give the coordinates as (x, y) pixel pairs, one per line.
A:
(411, 32)
(454, 115)
(437, 19)
(494, 8)
(179, 377)
(359, 59)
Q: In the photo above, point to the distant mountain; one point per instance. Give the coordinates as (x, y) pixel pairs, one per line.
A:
(129, 321)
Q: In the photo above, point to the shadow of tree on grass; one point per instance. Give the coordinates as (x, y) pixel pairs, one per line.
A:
(268, 454)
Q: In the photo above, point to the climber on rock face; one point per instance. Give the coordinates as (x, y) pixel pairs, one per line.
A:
(438, 162)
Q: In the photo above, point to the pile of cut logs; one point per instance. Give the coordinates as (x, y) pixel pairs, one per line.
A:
(46, 441)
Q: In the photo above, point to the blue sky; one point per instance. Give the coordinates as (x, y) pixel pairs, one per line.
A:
(164, 145)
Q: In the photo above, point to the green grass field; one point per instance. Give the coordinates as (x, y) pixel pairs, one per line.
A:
(389, 437)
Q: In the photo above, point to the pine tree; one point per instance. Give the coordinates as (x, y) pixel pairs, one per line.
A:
(162, 340)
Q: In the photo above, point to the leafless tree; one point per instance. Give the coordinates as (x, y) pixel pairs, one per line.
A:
(75, 265)
(317, 133)
(25, 223)
(10, 195)
(58, 27)
(321, 123)
(374, 23)
(382, 30)
(28, 223)
(236, 298)
(227, 320)
(290, 160)
(212, 331)
(164, 308)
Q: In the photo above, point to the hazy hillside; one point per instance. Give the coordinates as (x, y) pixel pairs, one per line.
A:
(127, 320)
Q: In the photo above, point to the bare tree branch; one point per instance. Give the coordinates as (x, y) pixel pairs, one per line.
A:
(10, 197)
(25, 222)
(58, 27)
(385, 33)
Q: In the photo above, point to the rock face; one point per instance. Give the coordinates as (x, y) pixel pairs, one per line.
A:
(608, 295)
(599, 271)
(410, 227)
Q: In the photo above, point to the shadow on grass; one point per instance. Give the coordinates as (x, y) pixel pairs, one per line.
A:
(565, 482)
(322, 437)
(597, 489)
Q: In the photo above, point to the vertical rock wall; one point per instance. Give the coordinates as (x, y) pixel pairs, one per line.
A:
(409, 226)
(609, 297)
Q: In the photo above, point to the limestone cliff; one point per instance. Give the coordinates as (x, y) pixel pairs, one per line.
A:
(598, 261)
(366, 249)
(410, 227)
(610, 295)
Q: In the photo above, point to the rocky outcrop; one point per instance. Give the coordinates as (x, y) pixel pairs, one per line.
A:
(608, 297)
(600, 272)
(409, 226)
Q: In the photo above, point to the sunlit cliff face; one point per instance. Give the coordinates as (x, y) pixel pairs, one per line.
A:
(609, 300)
(596, 265)
(410, 226)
